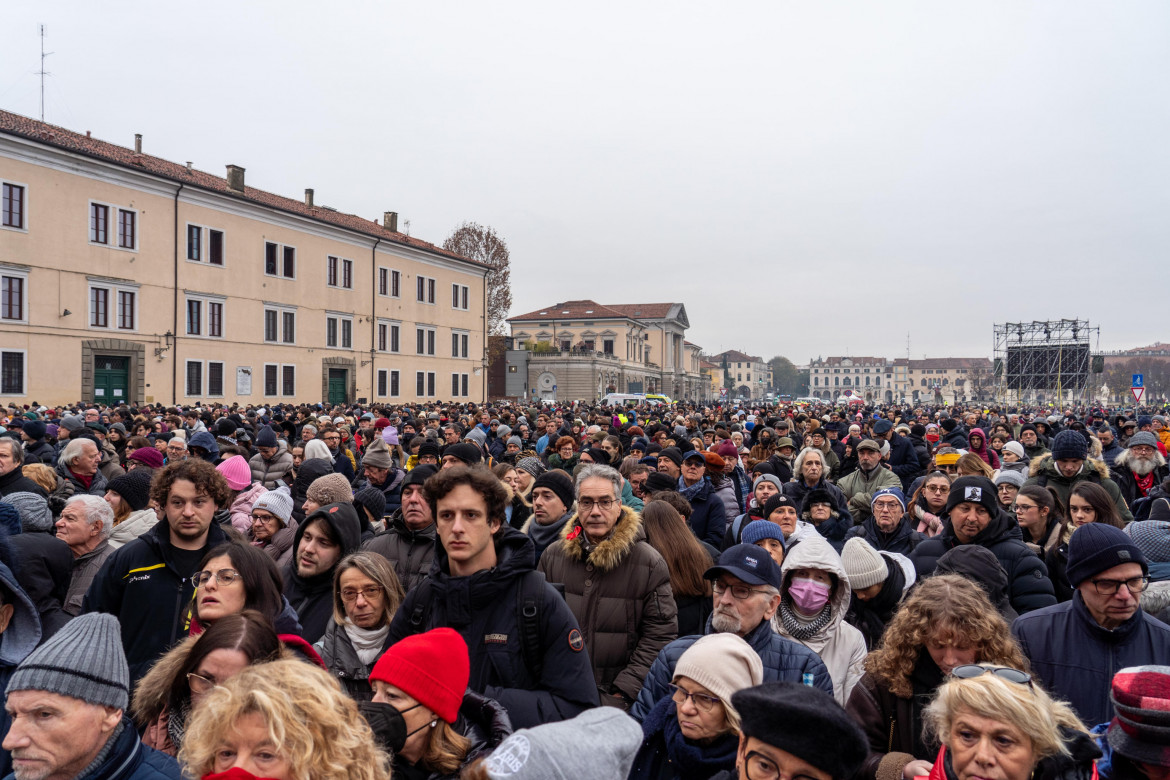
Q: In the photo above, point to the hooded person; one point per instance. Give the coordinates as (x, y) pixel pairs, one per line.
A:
(814, 600)
(328, 534)
(973, 516)
(204, 445)
(19, 636)
(977, 443)
(980, 565)
(880, 580)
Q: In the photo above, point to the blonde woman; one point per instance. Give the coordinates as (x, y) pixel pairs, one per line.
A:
(284, 720)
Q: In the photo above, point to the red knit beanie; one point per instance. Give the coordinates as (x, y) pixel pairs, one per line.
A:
(432, 668)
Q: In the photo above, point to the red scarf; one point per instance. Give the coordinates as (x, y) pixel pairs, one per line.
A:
(87, 481)
(1144, 483)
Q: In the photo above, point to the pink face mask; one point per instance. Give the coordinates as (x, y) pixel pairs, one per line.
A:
(809, 596)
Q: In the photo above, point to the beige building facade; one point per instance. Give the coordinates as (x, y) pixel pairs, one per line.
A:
(128, 278)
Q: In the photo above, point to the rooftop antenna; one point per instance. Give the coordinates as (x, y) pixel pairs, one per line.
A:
(42, 72)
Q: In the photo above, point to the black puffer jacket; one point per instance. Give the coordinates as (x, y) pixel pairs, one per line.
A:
(409, 552)
(1028, 585)
(44, 568)
(310, 470)
(486, 603)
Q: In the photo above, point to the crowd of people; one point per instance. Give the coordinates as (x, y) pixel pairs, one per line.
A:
(574, 590)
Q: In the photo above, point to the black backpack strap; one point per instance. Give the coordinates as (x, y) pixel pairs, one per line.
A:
(422, 597)
(528, 604)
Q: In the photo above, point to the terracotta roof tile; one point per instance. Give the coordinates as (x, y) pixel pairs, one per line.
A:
(61, 138)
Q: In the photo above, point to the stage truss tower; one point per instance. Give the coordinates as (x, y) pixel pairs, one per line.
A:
(1043, 361)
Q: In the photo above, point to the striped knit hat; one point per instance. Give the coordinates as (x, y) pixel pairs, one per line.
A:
(84, 660)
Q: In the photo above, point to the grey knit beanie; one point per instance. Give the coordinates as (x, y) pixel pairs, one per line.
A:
(84, 660)
(532, 465)
(34, 511)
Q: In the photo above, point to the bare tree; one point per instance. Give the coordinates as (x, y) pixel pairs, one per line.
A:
(482, 244)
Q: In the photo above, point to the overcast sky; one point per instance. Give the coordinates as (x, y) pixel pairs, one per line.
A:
(809, 178)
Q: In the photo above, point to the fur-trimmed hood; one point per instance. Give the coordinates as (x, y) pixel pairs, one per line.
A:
(1045, 462)
(609, 552)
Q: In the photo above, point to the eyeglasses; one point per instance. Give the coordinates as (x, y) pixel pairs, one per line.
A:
(738, 591)
(263, 518)
(886, 506)
(1018, 507)
(198, 684)
(586, 504)
(369, 593)
(331, 438)
(1109, 587)
(703, 701)
(759, 767)
(937, 489)
(969, 671)
(222, 577)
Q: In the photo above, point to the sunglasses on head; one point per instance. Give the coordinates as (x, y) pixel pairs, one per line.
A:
(969, 671)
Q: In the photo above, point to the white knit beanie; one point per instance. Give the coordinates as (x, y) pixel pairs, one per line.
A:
(864, 566)
(723, 664)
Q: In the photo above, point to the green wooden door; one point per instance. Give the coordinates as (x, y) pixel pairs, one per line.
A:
(111, 378)
(337, 377)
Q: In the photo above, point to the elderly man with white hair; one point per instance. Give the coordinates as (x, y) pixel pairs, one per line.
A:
(78, 469)
(85, 525)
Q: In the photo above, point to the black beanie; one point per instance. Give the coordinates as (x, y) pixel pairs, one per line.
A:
(558, 482)
(599, 455)
(1069, 445)
(133, 487)
(266, 437)
(428, 447)
(777, 501)
(948, 424)
(659, 481)
(468, 453)
(976, 490)
(419, 475)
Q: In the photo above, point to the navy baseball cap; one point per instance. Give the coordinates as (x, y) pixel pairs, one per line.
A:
(749, 563)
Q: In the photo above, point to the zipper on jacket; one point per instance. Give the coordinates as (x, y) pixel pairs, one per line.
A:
(890, 741)
(178, 611)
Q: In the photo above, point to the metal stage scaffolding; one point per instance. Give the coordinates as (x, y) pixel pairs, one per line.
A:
(1043, 360)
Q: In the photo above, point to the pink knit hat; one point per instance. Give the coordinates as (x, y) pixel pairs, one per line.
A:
(236, 471)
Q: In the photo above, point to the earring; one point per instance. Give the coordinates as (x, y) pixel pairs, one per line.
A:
(434, 723)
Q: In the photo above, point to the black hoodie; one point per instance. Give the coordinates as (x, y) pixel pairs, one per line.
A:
(482, 607)
(312, 597)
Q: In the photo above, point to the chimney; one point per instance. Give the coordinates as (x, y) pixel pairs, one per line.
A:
(390, 221)
(235, 178)
(309, 197)
(138, 143)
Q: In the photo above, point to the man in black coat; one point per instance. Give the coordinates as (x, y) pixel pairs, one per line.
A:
(483, 576)
(973, 516)
(12, 479)
(148, 584)
(903, 459)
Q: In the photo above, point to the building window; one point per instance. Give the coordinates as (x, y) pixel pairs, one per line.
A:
(194, 378)
(420, 383)
(454, 345)
(383, 281)
(214, 320)
(194, 317)
(459, 296)
(424, 341)
(271, 372)
(12, 300)
(127, 229)
(395, 284)
(99, 307)
(454, 385)
(12, 372)
(215, 247)
(289, 334)
(270, 326)
(194, 243)
(340, 273)
(205, 316)
(274, 254)
(430, 383)
(394, 384)
(382, 381)
(12, 206)
(383, 338)
(214, 378)
(289, 380)
(426, 289)
(339, 332)
(606, 346)
(99, 223)
(126, 309)
(463, 380)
